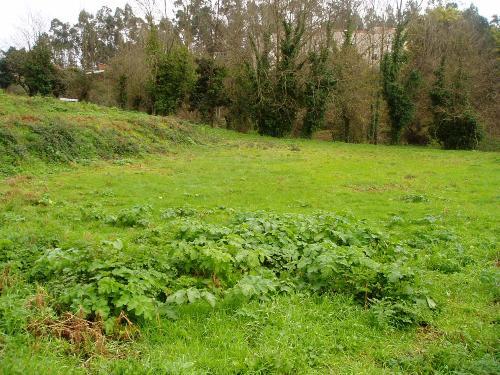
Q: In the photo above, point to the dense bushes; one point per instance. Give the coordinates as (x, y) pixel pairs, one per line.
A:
(459, 132)
(33, 70)
(173, 79)
(209, 92)
(456, 125)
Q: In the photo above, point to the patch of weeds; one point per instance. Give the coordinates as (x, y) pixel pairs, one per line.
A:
(431, 235)
(171, 213)
(85, 336)
(136, 216)
(490, 279)
(386, 314)
(428, 219)
(253, 256)
(57, 142)
(11, 151)
(446, 358)
(105, 193)
(90, 213)
(102, 282)
(395, 220)
(123, 161)
(12, 217)
(449, 260)
(256, 256)
(44, 201)
(414, 198)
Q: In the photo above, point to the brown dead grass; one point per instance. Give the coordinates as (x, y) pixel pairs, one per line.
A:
(26, 196)
(6, 279)
(30, 119)
(375, 188)
(18, 180)
(83, 334)
(87, 337)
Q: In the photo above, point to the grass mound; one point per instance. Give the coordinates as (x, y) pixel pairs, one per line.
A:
(55, 132)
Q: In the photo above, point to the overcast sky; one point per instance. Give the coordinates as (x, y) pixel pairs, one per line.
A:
(14, 13)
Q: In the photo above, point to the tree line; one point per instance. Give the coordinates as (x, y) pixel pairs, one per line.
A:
(349, 70)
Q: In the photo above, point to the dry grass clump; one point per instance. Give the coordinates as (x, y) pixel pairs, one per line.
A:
(87, 337)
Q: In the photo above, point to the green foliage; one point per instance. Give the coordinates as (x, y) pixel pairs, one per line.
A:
(122, 91)
(398, 91)
(414, 198)
(136, 216)
(40, 74)
(262, 90)
(7, 77)
(461, 132)
(102, 282)
(257, 255)
(288, 90)
(209, 92)
(318, 88)
(242, 99)
(33, 70)
(277, 93)
(173, 80)
(456, 125)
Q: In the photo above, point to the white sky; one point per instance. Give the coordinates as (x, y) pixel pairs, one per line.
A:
(14, 13)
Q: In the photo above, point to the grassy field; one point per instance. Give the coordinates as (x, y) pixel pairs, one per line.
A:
(442, 207)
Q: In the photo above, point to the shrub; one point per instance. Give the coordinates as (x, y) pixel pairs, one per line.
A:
(11, 152)
(459, 132)
(455, 123)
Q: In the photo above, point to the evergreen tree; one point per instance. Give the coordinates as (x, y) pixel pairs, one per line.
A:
(173, 81)
(288, 92)
(7, 77)
(261, 95)
(319, 84)
(455, 122)
(398, 90)
(33, 70)
(209, 92)
(278, 94)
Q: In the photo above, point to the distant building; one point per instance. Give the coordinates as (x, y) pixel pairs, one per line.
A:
(371, 44)
(100, 69)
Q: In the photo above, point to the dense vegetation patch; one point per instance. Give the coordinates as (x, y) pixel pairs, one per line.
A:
(254, 255)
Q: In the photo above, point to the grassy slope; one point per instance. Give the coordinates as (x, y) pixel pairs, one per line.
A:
(38, 130)
(292, 334)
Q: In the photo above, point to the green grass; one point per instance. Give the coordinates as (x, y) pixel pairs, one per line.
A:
(40, 206)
